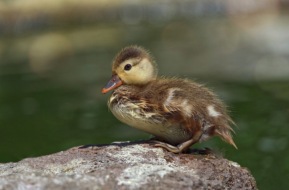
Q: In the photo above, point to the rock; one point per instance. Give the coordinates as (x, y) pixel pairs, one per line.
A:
(124, 165)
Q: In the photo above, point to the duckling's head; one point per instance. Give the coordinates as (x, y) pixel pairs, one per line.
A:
(133, 65)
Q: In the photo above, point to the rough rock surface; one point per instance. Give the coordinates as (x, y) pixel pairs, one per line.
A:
(124, 166)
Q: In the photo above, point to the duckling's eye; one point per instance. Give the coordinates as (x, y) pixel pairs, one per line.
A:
(127, 67)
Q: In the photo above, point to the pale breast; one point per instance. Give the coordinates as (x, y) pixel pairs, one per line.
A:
(138, 115)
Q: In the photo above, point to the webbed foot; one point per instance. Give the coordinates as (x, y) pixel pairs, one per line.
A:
(179, 148)
(168, 147)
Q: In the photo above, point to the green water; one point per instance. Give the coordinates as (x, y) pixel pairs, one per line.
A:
(39, 116)
(43, 111)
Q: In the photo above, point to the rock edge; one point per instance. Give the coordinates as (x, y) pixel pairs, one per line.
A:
(124, 166)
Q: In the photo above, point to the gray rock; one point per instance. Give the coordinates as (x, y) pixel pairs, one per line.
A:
(124, 166)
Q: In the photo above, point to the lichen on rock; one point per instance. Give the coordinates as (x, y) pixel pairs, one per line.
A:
(124, 165)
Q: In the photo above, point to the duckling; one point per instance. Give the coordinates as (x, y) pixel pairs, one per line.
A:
(177, 112)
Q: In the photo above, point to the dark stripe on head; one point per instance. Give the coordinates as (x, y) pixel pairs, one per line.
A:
(130, 53)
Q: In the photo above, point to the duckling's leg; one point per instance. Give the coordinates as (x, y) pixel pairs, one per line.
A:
(181, 147)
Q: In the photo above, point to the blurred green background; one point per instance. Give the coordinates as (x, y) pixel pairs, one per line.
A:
(55, 57)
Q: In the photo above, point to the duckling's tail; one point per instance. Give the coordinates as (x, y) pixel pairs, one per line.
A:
(225, 134)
